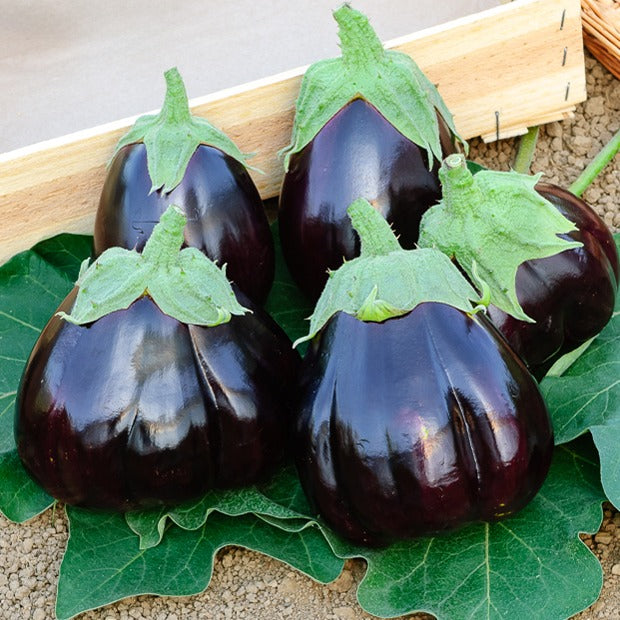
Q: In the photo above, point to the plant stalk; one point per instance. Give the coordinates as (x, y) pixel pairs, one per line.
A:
(525, 152)
(594, 168)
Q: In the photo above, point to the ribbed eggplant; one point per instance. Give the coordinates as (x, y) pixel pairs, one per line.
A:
(187, 162)
(570, 295)
(367, 125)
(136, 407)
(414, 415)
(417, 424)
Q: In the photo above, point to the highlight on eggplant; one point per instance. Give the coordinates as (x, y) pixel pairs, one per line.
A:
(176, 158)
(157, 392)
(370, 125)
(414, 415)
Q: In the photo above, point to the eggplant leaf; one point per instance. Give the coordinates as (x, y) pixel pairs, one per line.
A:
(150, 524)
(587, 397)
(104, 563)
(286, 303)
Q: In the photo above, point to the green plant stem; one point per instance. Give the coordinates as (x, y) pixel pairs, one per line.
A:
(605, 155)
(525, 152)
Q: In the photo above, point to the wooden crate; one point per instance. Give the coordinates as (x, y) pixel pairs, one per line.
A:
(500, 71)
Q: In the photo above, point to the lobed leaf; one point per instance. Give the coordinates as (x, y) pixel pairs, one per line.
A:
(150, 525)
(587, 397)
(31, 288)
(103, 562)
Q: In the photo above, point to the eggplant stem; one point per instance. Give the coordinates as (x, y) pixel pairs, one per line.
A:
(525, 152)
(595, 167)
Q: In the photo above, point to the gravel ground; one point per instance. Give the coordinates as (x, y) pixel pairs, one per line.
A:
(248, 585)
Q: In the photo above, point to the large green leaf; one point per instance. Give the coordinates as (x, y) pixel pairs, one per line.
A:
(104, 563)
(587, 397)
(32, 285)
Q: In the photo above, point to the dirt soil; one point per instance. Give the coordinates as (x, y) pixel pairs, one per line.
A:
(248, 585)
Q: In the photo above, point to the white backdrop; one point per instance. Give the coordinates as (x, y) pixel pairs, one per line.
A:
(67, 65)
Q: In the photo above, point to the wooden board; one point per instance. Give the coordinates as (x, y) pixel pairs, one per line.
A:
(499, 71)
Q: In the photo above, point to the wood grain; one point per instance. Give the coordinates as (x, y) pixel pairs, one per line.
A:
(499, 71)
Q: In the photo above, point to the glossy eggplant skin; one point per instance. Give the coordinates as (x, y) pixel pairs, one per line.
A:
(138, 409)
(225, 215)
(417, 425)
(357, 154)
(571, 295)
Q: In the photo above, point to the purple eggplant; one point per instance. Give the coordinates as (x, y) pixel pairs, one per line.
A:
(154, 383)
(570, 295)
(417, 425)
(414, 416)
(225, 215)
(358, 153)
(138, 409)
(368, 125)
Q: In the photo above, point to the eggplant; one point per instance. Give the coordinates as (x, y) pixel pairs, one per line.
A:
(367, 125)
(417, 425)
(138, 409)
(414, 416)
(570, 295)
(155, 388)
(358, 153)
(548, 263)
(226, 218)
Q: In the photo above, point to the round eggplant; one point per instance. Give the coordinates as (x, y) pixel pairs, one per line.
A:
(139, 409)
(570, 295)
(225, 215)
(357, 154)
(417, 424)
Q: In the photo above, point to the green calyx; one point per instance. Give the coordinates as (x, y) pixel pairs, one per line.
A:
(386, 281)
(390, 81)
(172, 136)
(491, 222)
(184, 284)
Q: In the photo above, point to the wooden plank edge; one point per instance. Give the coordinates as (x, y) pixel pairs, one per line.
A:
(104, 137)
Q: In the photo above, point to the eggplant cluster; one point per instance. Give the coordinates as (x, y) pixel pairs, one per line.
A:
(184, 385)
(419, 415)
(412, 412)
(570, 295)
